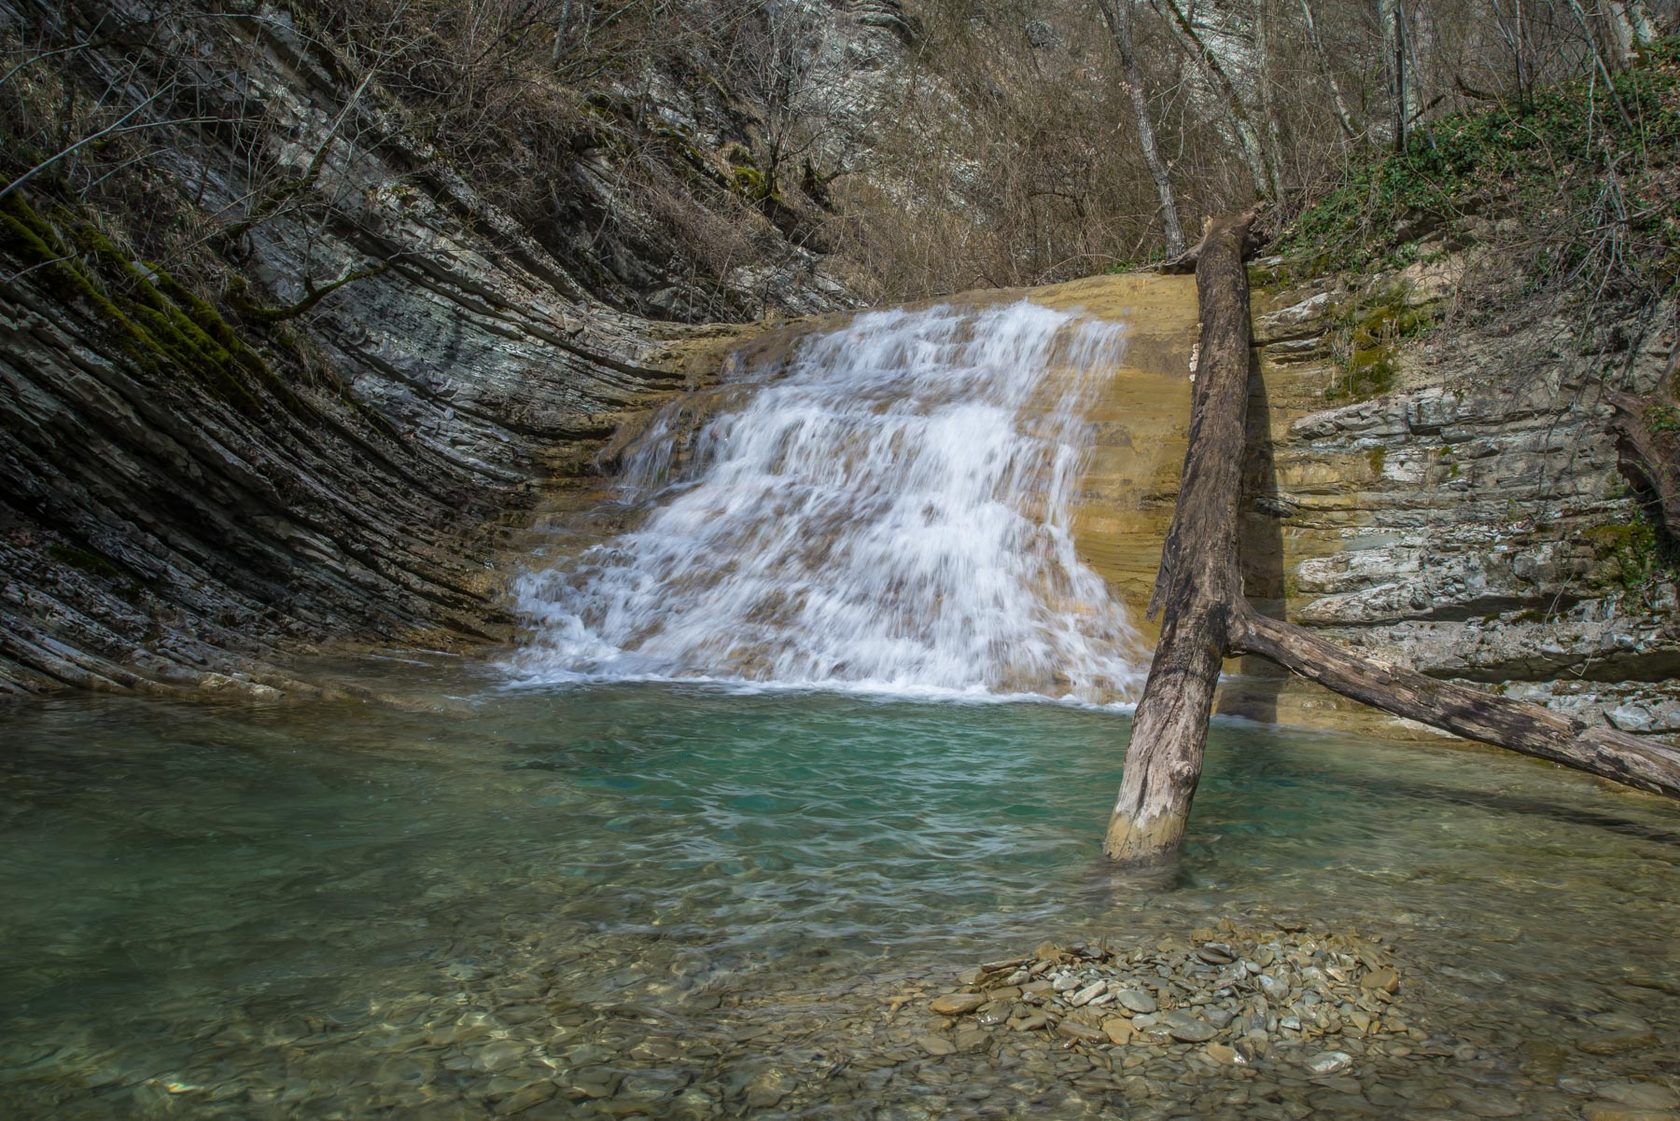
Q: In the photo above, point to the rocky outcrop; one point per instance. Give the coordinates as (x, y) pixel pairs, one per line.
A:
(277, 374)
(1473, 520)
(293, 384)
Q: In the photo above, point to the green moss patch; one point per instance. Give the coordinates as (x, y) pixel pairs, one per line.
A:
(1627, 556)
(155, 320)
(1366, 338)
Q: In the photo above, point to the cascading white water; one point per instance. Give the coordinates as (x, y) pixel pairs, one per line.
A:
(888, 512)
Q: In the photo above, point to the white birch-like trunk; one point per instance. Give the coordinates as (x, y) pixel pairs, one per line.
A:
(1206, 62)
(1118, 15)
(1343, 116)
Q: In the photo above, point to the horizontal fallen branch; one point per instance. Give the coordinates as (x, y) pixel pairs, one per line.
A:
(1464, 711)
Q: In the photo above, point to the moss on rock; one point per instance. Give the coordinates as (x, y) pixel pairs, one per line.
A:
(157, 322)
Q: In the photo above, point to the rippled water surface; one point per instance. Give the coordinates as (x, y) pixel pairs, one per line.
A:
(654, 900)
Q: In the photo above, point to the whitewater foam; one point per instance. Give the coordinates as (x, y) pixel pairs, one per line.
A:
(889, 512)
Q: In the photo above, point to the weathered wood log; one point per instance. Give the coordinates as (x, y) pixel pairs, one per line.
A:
(1199, 586)
(1198, 579)
(1471, 713)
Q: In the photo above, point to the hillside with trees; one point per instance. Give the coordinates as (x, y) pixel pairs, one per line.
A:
(464, 235)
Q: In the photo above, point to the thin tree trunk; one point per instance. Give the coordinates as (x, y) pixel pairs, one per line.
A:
(1510, 26)
(1263, 87)
(1603, 67)
(1264, 176)
(1206, 617)
(1394, 66)
(1420, 45)
(1118, 14)
(1343, 116)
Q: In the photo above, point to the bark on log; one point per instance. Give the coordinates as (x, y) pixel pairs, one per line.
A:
(1207, 618)
(1198, 579)
(1472, 713)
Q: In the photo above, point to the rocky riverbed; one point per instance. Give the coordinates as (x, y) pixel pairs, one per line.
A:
(1274, 1022)
(664, 903)
(1226, 997)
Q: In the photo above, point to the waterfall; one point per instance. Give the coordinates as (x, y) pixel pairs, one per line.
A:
(888, 510)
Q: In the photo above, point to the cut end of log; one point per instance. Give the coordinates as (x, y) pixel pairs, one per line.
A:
(1144, 840)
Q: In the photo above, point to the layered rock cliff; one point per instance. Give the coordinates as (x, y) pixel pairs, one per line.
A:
(1477, 519)
(275, 371)
(1473, 517)
(278, 373)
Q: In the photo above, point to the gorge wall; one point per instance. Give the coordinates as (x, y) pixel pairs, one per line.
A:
(275, 372)
(279, 375)
(1474, 520)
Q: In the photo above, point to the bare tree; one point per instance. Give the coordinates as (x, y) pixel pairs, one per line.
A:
(1343, 116)
(1391, 17)
(1118, 15)
(1264, 75)
(1262, 168)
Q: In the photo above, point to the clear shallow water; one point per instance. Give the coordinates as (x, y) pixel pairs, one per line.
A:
(321, 911)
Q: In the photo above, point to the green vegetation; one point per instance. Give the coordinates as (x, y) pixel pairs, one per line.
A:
(1589, 179)
(1445, 458)
(152, 317)
(1630, 556)
(1365, 337)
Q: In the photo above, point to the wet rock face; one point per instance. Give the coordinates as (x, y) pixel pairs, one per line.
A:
(199, 477)
(1473, 520)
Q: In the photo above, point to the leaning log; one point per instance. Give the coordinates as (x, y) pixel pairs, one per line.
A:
(1198, 580)
(1206, 618)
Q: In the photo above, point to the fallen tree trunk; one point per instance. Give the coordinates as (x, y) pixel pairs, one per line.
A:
(1206, 618)
(1472, 713)
(1198, 580)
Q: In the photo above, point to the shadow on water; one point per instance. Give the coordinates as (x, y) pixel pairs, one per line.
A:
(1270, 759)
(1496, 802)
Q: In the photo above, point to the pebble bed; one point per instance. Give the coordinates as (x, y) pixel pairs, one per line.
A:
(1226, 997)
(1275, 1022)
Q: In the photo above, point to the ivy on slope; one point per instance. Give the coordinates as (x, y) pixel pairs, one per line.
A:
(1582, 186)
